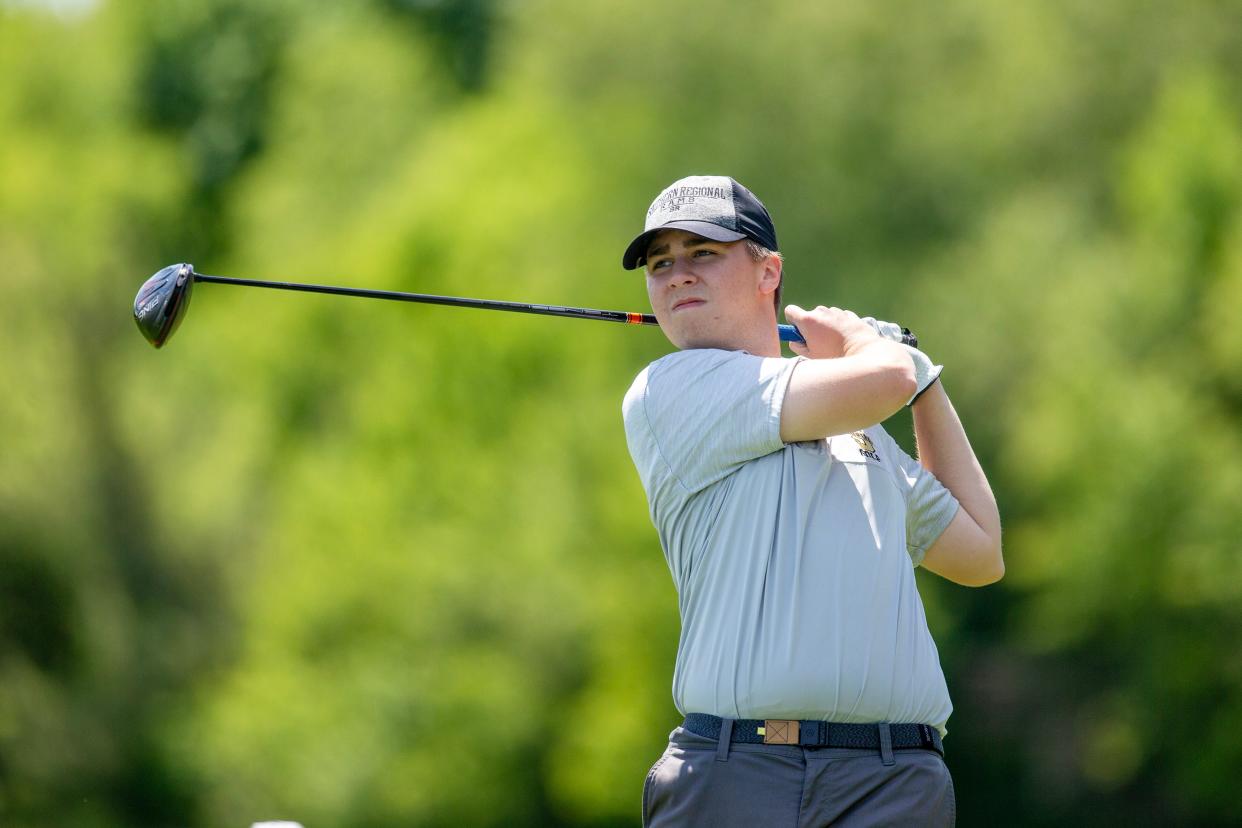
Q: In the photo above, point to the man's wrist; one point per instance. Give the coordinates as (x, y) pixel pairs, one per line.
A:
(933, 390)
(926, 372)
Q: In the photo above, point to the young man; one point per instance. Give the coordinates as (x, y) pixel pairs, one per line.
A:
(792, 524)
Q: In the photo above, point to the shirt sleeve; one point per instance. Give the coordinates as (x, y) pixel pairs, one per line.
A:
(930, 507)
(695, 416)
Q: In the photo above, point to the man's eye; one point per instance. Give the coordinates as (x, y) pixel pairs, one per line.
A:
(704, 252)
(661, 263)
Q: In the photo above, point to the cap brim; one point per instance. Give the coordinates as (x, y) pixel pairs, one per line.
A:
(636, 253)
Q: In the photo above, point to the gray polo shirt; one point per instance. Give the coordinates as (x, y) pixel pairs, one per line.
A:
(794, 563)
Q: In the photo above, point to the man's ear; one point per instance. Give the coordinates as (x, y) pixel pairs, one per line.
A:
(770, 279)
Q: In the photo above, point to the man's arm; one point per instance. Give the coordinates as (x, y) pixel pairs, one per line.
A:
(968, 552)
(853, 378)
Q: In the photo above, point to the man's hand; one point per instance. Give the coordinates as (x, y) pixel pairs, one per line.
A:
(925, 371)
(853, 378)
(829, 332)
(888, 330)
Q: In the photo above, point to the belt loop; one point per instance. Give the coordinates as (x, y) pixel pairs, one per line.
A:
(811, 733)
(726, 736)
(886, 744)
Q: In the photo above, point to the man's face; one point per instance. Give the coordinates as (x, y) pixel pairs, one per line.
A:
(703, 292)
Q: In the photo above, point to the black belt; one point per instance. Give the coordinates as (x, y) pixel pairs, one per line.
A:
(815, 733)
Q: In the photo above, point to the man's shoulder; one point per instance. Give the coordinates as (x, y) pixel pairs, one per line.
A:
(696, 371)
(694, 356)
(673, 361)
(675, 370)
(696, 361)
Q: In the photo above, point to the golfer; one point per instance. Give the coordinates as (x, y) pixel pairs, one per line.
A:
(792, 523)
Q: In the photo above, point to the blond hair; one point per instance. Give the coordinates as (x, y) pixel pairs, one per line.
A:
(759, 253)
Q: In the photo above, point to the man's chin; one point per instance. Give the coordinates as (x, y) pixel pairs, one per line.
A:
(692, 339)
(686, 333)
(681, 336)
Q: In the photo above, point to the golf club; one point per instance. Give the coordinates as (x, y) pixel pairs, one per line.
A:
(162, 300)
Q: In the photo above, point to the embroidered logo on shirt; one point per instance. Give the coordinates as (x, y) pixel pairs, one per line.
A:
(865, 447)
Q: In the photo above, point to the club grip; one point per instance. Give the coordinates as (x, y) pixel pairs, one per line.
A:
(789, 333)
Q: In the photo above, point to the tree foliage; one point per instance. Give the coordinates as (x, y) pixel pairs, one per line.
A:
(362, 564)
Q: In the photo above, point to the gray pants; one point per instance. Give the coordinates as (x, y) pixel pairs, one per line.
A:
(700, 781)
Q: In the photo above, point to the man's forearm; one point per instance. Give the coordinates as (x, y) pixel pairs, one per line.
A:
(945, 451)
(838, 395)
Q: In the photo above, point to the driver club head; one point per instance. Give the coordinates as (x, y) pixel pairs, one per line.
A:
(161, 302)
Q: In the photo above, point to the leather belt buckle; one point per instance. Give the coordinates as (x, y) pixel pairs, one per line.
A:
(780, 732)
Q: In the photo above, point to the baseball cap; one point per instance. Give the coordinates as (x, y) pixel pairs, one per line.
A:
(713, 206)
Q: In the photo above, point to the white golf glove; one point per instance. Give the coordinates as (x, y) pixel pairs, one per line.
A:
(925, 371)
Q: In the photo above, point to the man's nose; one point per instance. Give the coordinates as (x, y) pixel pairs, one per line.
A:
(682, 271)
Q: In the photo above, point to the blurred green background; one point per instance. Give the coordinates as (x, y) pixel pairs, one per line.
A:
(365, 564)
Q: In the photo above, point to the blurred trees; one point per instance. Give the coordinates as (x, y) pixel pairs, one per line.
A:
(360, 564)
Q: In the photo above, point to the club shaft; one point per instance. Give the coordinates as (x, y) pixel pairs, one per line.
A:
(787, 332)
(454, 301)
